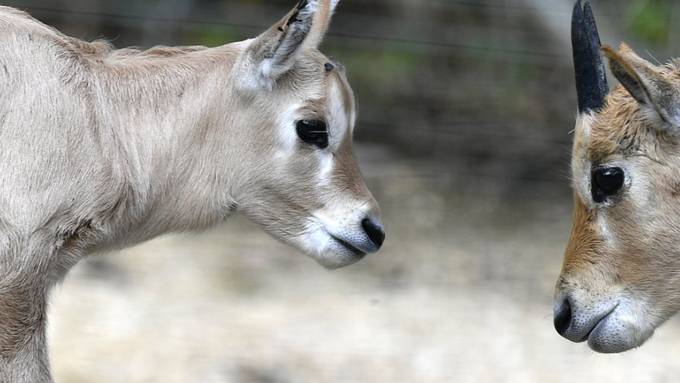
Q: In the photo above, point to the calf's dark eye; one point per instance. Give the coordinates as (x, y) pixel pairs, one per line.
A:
(313, 132)
(606, 182)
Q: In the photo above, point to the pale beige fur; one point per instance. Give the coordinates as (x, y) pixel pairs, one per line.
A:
(103, 148)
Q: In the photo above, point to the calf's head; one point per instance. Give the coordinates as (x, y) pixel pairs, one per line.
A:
(621, 273)
(297, 175)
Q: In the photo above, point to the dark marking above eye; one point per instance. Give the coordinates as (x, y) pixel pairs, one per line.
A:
(329, 67)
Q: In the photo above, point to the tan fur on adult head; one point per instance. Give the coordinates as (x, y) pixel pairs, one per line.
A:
(619, 278)
(103, 148)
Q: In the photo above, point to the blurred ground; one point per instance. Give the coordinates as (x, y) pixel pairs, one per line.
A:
(461, 293)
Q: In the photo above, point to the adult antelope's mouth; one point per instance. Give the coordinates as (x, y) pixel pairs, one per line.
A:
(348, 246)
(598, 324)
(580, 322)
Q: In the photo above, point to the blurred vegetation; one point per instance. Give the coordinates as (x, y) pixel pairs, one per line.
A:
(486, 86)
(650, 20)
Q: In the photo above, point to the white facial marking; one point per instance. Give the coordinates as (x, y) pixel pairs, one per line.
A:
(605, 232)
(338, 125)
(326, 161)
(337, 118)
(580, 164)
(316, 238)
(639, 191)
(287, 134)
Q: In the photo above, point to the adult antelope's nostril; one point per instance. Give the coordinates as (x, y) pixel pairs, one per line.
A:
(374, 231)
(563, 317)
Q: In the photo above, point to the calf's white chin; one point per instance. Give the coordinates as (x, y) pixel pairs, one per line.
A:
(329, 251)
(338, 257)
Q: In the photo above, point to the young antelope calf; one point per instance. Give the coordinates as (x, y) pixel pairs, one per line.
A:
(103, 148)
(620, 275)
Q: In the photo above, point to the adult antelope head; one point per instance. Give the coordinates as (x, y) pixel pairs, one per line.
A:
(620, 278)
(104, 148)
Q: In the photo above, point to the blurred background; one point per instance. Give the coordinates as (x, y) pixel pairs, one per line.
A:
(466, 109)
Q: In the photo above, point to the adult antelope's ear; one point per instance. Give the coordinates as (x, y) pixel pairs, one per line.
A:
(591, 77)
(275, 52)
(646, 82)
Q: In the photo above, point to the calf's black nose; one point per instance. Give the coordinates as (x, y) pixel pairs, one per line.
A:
(563, 317)
(374, 231)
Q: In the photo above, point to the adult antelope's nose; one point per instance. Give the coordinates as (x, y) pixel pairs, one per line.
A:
(576, 319)
(562, 319)
(374, 230)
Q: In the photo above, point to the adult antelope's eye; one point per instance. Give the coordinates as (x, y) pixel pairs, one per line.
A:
(606, 182)
(313, 132)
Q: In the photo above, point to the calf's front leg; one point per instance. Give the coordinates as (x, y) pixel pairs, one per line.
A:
(23, 349)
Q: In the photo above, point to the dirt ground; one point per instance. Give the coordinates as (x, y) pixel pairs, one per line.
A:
(461, 293)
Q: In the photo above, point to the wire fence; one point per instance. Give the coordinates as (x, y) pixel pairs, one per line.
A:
(472, 131)
(259, 27)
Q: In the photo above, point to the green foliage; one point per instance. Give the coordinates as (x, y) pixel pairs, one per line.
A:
(213, 36)
(650, 20)
(380, 67)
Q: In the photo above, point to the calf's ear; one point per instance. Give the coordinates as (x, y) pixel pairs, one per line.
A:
(275, 52)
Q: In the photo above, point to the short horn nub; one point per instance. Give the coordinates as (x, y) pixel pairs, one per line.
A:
(591, 77)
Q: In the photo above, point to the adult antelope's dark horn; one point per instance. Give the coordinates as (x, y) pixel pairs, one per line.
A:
(591, 77)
